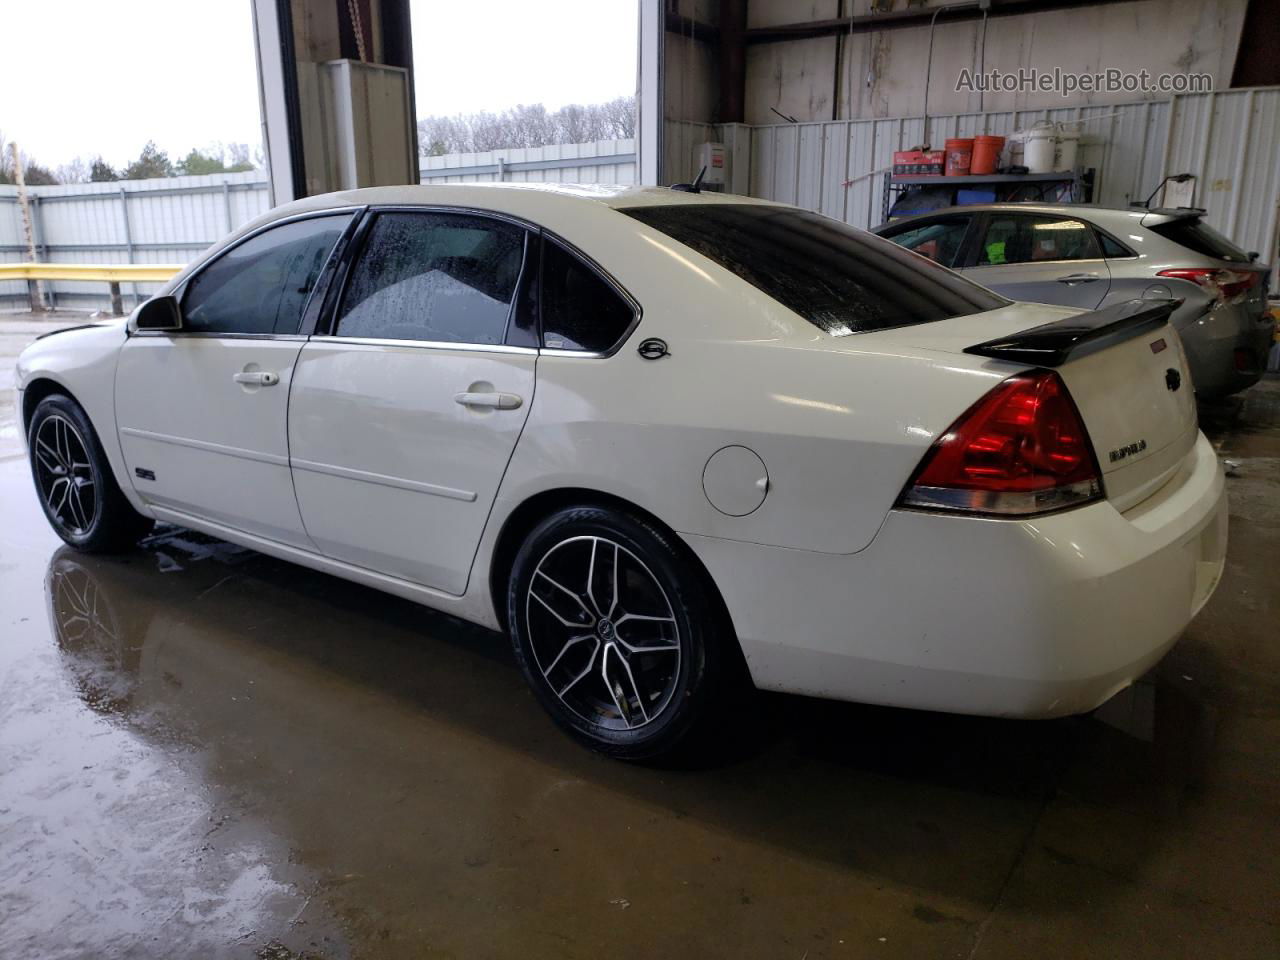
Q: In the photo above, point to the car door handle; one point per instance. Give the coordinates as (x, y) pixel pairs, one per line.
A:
(1072, 279)
(499, 401)
(257, 378)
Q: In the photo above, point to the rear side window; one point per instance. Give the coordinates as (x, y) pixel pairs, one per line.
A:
(1019, 238)
(1198, 236)
(581, 310)
(262, 285)
(840, 279)
(1113, 249)
(442, 277)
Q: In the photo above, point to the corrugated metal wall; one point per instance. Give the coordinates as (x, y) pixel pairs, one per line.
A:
(1230, 140)
(602, 161)
(174, 219)
(130, 221)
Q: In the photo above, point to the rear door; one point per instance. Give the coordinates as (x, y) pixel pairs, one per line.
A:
(402, 419)
(1040, 258)
(202, 410)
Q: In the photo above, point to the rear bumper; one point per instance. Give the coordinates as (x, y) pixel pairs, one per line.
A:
(1030, 618)
(1211, 345)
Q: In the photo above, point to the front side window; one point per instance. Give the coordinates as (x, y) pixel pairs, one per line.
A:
(261, 286)
(841, 279)
(442, 277)
(939, 240)
(1021, 238)
(580, 309)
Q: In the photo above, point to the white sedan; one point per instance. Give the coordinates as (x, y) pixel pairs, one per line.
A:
(675, 443)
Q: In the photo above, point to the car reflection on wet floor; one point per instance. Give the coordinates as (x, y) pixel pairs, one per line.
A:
(209, 752)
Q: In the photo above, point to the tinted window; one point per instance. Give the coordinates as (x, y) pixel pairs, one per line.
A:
(446, 277)
(1112, 249)
(840, 279)
(1019, 238)
(939, 240)
(262, 285)
(1200, 237)
(580, 309)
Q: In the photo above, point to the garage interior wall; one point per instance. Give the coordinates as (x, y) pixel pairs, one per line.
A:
(858, 96)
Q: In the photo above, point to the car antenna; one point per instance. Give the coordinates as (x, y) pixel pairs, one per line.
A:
(696, 186)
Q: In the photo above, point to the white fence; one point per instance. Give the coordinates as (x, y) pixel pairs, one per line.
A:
(173, 219)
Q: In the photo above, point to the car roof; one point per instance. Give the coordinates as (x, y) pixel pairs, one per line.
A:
(1114, 217)
(500, 196)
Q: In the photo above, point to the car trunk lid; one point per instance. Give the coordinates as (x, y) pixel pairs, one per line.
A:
(1124, 367)
(1126, 371)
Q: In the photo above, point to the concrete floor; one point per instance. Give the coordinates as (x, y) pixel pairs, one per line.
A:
(208, 753)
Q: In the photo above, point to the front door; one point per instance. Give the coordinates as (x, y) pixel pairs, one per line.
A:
(202, 411)
(1041, 258)
(402, 422)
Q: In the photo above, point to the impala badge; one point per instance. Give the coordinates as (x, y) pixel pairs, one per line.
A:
(1172, 379)
(1128, 450)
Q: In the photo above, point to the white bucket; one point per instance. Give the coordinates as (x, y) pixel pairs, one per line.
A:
(1041, 147)
(1068, 144)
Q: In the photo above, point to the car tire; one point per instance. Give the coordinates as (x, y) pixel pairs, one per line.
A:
(643, 673)
(75, 483)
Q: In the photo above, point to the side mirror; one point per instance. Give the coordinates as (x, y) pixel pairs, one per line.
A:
(158, 313)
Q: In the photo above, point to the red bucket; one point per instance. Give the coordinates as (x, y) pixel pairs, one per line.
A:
(986, 154)
(959, 156)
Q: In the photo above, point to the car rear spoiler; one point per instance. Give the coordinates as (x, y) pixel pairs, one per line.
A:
(1053, 344)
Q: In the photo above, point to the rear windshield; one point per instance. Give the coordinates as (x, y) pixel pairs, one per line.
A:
(1200, 237)
(840, 279)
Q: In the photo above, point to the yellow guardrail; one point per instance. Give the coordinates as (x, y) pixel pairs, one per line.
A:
(102, 273)
(112, 273)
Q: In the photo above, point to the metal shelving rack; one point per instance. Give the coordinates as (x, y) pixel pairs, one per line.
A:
(1081, 182)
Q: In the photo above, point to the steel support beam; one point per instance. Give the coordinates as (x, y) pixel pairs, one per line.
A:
(914, 16)
(733, 60)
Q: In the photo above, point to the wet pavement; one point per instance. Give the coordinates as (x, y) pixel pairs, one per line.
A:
(205, 752)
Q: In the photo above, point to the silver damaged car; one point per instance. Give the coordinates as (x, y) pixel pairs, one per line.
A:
(1085, 256)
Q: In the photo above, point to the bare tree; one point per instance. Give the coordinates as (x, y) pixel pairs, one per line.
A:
(77, 171)
(33, 174)
(527, 125)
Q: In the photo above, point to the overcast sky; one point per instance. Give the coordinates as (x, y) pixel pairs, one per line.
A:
(104, 78)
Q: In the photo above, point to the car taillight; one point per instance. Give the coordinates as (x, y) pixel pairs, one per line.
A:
(1021, 449)
(1223, 284)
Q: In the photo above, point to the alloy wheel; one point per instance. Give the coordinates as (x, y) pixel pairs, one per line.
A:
(65, 475)
(603, 633)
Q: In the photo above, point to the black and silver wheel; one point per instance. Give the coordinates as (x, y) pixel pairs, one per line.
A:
(615, 631)
(64, 476)
(74, 481)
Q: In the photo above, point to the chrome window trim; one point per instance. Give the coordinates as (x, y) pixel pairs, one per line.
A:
(211, 335)
(581, 354)
(1033, 263)
(424, 344)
